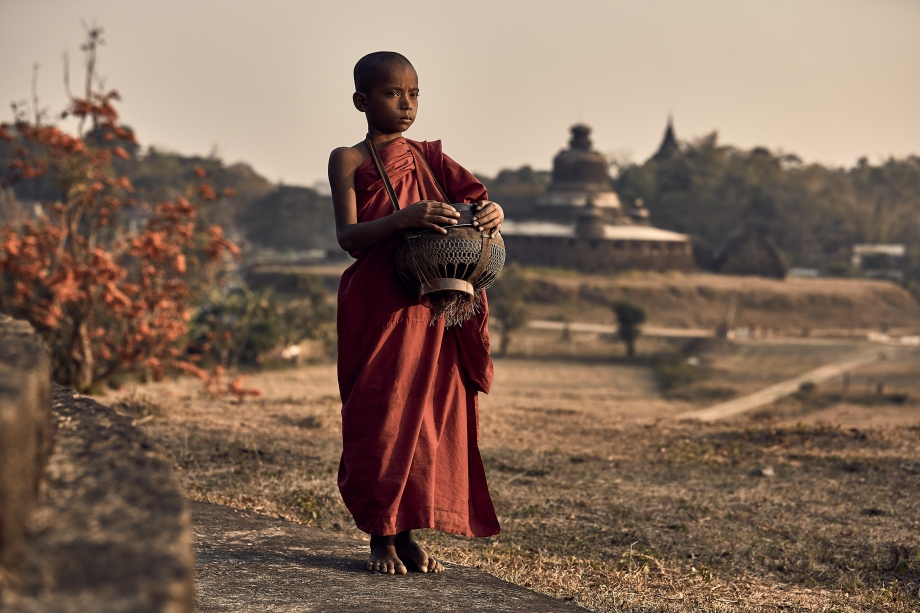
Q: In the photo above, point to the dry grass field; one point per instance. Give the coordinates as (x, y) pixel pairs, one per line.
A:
(791, 307)
(604, 497)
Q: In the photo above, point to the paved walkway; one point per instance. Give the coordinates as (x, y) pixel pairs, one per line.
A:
(574, 326)
(779, 390)
(252, 563)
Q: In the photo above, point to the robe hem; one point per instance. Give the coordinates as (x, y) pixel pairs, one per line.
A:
(435, 521)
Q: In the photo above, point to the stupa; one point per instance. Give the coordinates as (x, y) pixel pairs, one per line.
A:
(579, 221)
(580, 176)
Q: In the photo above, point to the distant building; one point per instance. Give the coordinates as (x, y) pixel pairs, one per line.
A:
(881, 261)
(579, 221)
(580, 177)
(669, 147)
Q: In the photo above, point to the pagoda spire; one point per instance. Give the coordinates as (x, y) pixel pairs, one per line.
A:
(669, 146)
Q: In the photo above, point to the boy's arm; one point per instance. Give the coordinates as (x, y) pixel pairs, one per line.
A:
(352, 235)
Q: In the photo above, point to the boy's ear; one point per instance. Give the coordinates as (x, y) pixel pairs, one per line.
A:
(360, 101)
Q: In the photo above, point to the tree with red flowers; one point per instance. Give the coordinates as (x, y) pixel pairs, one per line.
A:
(106, 298)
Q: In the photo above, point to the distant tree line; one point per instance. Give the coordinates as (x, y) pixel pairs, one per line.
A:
(711, 191)
(813, 213)
(267, 215)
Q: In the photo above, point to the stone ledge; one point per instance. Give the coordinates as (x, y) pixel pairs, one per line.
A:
(111, 531)
(25, 434)
(249, 562)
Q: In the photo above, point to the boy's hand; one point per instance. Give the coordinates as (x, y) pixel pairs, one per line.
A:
(429, 214)
(489, 217)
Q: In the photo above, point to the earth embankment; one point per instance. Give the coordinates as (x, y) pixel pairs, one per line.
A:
(788, 307)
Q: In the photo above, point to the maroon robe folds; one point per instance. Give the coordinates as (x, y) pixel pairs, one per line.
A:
(410, 421)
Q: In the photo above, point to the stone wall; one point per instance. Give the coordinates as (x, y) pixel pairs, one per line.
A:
(25, 436)
(109, 531)
(599, 255)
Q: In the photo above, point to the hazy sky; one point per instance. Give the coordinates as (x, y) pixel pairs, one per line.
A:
(501, 81)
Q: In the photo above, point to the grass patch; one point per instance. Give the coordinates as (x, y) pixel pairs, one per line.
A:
(611, 514)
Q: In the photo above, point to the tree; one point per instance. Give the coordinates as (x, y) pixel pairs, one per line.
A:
(291, 218)
(507, 306)
(105, 298)
(813, 213)
(629, 316)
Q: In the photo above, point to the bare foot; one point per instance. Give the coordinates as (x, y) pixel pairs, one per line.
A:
(383, 556)
(414, 556)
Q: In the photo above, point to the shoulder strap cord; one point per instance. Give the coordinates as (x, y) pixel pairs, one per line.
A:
(382, 171)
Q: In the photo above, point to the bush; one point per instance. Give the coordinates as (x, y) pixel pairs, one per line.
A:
(507, 305)
(240, 327)
(106, 298)
(673, 371)
(629, 316)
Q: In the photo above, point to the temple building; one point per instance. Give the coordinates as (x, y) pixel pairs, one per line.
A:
(669, 147)
(579, 221)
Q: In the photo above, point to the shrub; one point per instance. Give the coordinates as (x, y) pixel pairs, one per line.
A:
(507, 305)
(106, 298)
(629, 316)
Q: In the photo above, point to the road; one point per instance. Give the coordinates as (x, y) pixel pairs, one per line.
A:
(774, 392)
(652, 331)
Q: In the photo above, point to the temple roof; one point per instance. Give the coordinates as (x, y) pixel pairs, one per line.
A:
(669, 146)
(580, 175)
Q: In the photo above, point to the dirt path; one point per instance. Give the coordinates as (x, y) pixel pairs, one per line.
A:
(774, 392)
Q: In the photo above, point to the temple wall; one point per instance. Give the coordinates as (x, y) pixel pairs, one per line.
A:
(599, 255)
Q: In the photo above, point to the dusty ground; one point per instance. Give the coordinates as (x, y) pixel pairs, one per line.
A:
(604, 498)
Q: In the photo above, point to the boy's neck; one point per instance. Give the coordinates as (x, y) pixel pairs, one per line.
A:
(382, 139)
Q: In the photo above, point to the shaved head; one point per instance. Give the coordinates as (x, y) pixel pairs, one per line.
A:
(373, 66)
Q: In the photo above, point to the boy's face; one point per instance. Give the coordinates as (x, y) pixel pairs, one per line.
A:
(391, 103)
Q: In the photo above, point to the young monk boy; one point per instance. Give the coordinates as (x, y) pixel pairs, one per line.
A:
(410, 422)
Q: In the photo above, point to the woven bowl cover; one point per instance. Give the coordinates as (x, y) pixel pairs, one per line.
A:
(428, 256)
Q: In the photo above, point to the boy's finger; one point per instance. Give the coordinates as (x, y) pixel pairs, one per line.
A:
(485, 209)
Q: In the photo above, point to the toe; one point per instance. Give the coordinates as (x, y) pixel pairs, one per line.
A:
(401, 569)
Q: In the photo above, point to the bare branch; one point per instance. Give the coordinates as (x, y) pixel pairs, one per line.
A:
(65, 58)
(36, 112)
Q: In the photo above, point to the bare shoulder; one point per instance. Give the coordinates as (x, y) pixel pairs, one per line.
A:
(345, 160)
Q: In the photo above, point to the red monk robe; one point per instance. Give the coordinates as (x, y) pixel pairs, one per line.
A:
(410, 417)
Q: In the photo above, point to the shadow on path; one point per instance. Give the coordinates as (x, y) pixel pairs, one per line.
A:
(249, 562)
